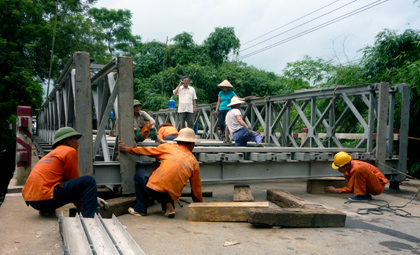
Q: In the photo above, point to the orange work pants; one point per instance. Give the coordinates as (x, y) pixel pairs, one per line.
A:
(145, 131)
(364, 181)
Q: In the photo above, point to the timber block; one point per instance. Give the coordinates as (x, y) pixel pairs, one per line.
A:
(242, 193)
(222, 211)
(294, 212)
(295, 217)
(317, 185)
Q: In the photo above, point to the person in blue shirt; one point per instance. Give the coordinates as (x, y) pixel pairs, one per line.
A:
(225, 95)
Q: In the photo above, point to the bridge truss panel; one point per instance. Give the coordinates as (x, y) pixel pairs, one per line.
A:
(302, 131)
(321, 118)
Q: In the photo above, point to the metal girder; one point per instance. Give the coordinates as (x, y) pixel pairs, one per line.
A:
(96, 236)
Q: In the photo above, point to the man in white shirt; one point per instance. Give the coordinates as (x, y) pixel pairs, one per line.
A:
(239, 129)
(187, 102)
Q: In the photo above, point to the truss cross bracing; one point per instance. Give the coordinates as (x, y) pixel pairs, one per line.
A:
(301, 131)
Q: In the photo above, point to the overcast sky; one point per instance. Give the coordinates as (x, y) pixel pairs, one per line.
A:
(287, 22)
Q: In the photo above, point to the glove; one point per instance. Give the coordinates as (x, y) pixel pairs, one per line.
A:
(103, 204)
(138, 135)
(153, 134)
(249, 131)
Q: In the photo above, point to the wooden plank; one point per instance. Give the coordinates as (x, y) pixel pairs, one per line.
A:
(242, 193)
(222, 211)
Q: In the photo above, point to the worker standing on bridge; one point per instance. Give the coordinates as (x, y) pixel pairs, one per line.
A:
(187, 102)
(363, 179)
(178, 165)
(144, 125)
(239, 129)
(223, 99)
(55, 181)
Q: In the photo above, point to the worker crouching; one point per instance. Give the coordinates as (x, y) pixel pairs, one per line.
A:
(55, 181)
(363, 179)
(165, 184)
(144, 125)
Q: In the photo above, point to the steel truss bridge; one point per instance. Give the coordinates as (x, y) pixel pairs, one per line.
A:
(301, 131)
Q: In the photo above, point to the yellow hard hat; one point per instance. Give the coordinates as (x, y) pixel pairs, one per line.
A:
(340, 159)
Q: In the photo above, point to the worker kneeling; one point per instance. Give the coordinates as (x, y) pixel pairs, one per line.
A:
(363, 179)
(55, 181)
(178, 165)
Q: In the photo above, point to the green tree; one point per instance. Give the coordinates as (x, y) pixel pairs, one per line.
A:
(390, 52)
(116, 29)
(25, 47)
(221, 43)
(309, 71)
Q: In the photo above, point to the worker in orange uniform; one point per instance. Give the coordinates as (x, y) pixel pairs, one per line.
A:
(178, 165)
(144, 125)
(363, 179)
(167, 132)
(55, 181)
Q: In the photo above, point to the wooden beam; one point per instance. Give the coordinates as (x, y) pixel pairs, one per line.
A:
(222, 211)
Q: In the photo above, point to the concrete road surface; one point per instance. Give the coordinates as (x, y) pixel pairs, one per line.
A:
(23, 231)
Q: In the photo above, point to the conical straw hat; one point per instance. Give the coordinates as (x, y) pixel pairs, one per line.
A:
(225, 83)
(187, 135)
(235, 100)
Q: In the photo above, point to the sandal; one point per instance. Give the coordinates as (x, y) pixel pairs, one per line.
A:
(132, 212)
(170, 214)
